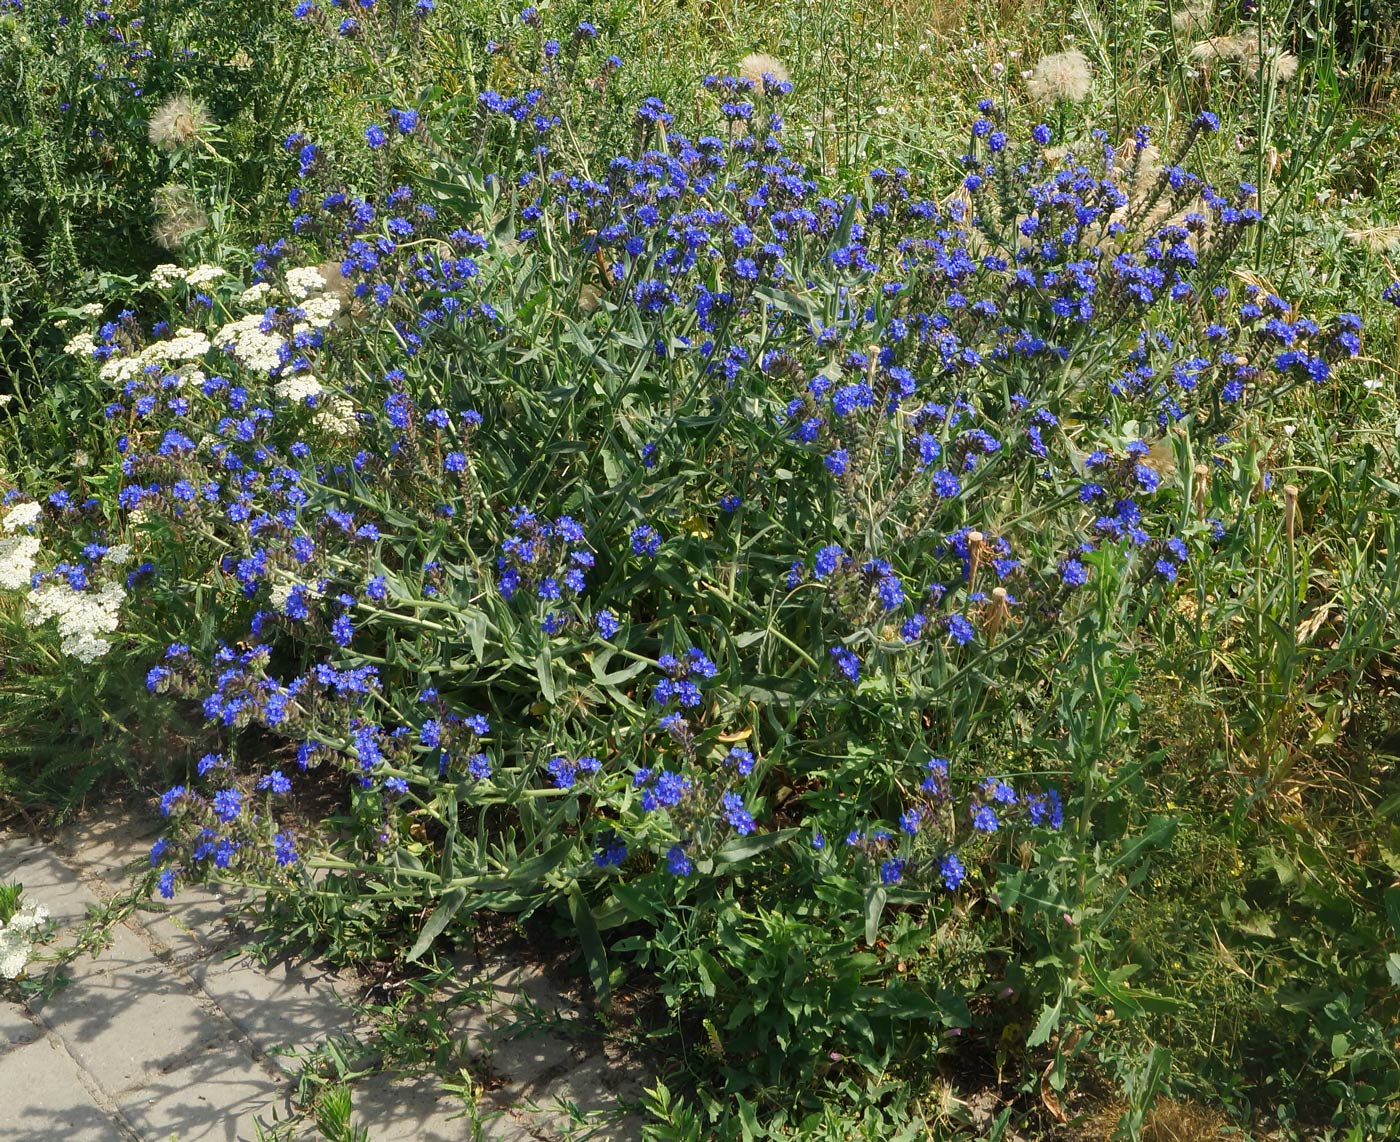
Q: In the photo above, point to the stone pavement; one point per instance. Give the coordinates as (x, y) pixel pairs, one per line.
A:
(172, 1033)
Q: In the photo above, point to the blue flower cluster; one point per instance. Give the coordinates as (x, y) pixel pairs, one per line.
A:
(965, 432)
(923, 849)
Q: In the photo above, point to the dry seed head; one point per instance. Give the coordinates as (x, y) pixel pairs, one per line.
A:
(1064, 75)
(178, 122)
(1202, 489)
(1377, 239)
(1282, 67)
(975, 545)
(1191, 18)
(997, 613)
(756, 65)
(1290, 510)
(179, 216)
(588, 298)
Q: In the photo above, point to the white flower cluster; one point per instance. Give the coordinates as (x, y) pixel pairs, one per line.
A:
(253, 296)
(21, 515)
(203, 275)
(298, 389)
(83, 617)
(318, 312)
(336, 417)
(17, 554)
(167, 274)
(186, 345)
(17, 557)
(82, 345)
(303, 281)
(91, 309)
(253, 348)
(17, 938)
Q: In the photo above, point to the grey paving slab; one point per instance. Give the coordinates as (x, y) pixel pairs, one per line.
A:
(200, 921)
(284, 1004)
(592, 1093)
(216, 1095)
(163, 1037)
(413, 1110)
(110, 843)
(44, 1099)
(46, 879)
(125, 1018)
(582, 1101)
(17, 1026)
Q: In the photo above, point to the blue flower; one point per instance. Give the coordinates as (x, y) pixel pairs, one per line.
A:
(984, 819)
(607, 624)
(645, 540)
(374, 135)
(612, 850)
(677, 862)
(945, 484)
(828, 559)
(735, 813)
(276, 782)
(952, 871)
(284, 850)
(847, 663)
(741, 759)
(227, 804)
(892, 871)
(170, 798)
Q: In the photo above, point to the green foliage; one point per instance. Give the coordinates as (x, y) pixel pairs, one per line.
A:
(1222, 896)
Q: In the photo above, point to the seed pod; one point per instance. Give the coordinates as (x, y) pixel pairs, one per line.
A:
(1201, 489)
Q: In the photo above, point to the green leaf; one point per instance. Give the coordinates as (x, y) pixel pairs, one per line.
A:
(1130, 1000)
(1159, 832)
(875, 897)
(1392, 909)
(742, 848)
(1046, 1025)
(442, 916)
(591, 942)
(544, 669)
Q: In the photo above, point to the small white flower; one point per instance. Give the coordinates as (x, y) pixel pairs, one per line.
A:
(15, 947)
(303, 281)
(203, 275)
(254, 294)
(17, 561)
(298, 389)
(91, 309)
(21, 515)
(166, 275)
(81, 345)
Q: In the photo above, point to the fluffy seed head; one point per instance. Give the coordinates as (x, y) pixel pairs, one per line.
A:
(179, 216)
(756, 65)
(178, 122)
(1064, 75)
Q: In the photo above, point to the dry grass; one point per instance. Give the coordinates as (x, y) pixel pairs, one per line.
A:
(1169, 1121)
